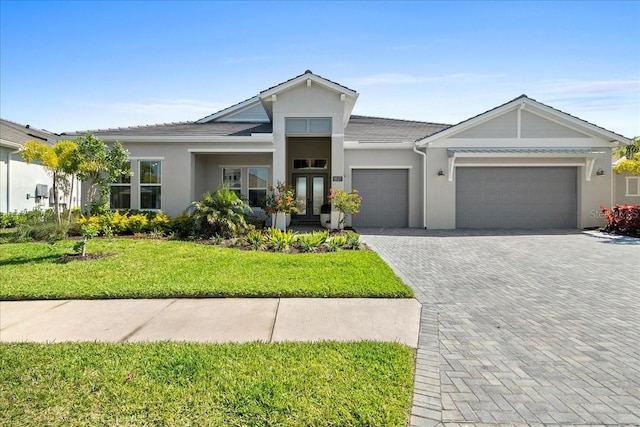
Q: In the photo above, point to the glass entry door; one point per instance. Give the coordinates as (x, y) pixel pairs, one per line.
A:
(310, 195)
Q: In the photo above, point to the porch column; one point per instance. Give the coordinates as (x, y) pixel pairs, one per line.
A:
(336, 180)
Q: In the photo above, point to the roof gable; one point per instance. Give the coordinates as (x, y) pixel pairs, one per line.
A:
(557, 124)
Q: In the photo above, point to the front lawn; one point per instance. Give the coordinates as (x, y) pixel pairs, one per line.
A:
(287, 384)
(145, 268)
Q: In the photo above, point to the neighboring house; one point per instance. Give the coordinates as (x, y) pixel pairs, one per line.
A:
(520, 165)
(626, 188)
(23, 186)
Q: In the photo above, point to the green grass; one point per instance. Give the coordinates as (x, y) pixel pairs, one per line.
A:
(143, 268)
(322, 384)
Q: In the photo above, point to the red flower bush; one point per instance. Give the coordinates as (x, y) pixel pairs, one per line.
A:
(622, 219)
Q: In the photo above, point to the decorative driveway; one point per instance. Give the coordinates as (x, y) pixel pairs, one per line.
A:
(530, 328)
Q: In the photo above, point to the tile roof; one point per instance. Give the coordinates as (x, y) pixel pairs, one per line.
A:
(376, 129)
(183, 129)
(19, 134)
(360, 128)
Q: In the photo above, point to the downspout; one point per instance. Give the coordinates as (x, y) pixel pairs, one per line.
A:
(424, 184)
(9, 179)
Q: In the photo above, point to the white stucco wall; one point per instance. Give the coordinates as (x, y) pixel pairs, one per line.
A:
(17, 179)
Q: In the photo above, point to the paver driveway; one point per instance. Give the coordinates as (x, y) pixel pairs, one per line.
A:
(522, 328)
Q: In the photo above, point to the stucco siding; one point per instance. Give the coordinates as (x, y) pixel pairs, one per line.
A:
(22, 179)
(620, 183)
(390, 159)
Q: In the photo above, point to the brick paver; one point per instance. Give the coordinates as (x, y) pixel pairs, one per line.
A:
(531, 328)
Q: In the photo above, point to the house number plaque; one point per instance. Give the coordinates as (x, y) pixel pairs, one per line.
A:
(336, 179)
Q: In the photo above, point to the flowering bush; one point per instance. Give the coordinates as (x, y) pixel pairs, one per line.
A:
(345, 203)
(281, 199)
(622, 219)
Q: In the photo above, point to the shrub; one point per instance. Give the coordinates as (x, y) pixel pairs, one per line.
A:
(353, 240)
(345, 203)
(256, 240)
(622, 219)
(280, 240)
(137, 223)
(220, 214)
(311, 242)
(183, 226)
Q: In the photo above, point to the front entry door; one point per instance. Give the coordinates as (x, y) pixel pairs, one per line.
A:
(310, 195)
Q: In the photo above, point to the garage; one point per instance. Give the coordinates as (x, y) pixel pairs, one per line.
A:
(385, 197)
(516, 197)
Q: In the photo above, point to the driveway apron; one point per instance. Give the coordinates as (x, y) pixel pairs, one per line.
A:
(521, 328)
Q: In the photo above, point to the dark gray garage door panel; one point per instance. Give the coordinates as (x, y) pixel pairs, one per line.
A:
(385, 197)
(527, 197)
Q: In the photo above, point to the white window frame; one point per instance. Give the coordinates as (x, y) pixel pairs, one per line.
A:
(241, 178)
(122, 184)
(632, 189)
(249, 187)
(146, 184)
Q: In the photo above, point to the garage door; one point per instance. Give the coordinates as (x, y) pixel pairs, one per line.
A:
(385, 197)
(531, 197)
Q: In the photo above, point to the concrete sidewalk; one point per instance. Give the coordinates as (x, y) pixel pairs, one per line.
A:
(211, 320)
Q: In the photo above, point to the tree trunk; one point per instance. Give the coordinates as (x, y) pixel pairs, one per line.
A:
(73, 179)
(56, 202)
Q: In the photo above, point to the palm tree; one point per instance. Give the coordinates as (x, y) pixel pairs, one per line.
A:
(222, 212)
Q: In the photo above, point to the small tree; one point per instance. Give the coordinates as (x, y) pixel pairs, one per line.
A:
(99, 166)
(61, 160)
(345, 203)
(631, 154)
(220, 214)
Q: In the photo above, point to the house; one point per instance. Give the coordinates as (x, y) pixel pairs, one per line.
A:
(23, 186)
(522, 164)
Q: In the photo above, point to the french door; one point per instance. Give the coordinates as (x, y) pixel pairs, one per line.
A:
(310, 195)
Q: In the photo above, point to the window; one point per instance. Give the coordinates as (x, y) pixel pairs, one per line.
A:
(233, 178)
(120, 191)
(257, 186)
(309, 163)
(633, 186)
(308, 126)
(150, 184)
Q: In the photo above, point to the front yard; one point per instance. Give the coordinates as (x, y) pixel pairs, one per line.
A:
(147, 268)
(321, 384)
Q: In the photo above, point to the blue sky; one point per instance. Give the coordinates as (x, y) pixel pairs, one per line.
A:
(68, 66)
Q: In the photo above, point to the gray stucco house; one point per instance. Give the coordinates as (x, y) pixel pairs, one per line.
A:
(24, 186)
(522, 164)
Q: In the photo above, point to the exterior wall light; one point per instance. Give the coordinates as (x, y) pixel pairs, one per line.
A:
(440, 172)
(600, 172)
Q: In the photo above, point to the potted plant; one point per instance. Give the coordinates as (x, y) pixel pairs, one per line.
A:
(325, 215)
(280, 204)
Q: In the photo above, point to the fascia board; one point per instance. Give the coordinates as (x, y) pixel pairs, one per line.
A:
(378, 146)
(472, 122)
(574, 123)
(260, 138)
(9, 144)
(229, 110)
(303, 78)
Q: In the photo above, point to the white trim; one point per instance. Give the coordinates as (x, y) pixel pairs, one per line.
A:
(9, 144)
(378, 146)
(452, 167)
(161, 158)
(231, 150)
(588, 170)
(628, 180)
(518, 164)
(245, 166)
(303, 79)
(526, 154)
(380, 167)
(548, 113)
(255, 137)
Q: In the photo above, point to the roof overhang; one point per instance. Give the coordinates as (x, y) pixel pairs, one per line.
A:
(523, 157)
(348, 96)
(530, 105)
(265, 138)
(244, 105)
